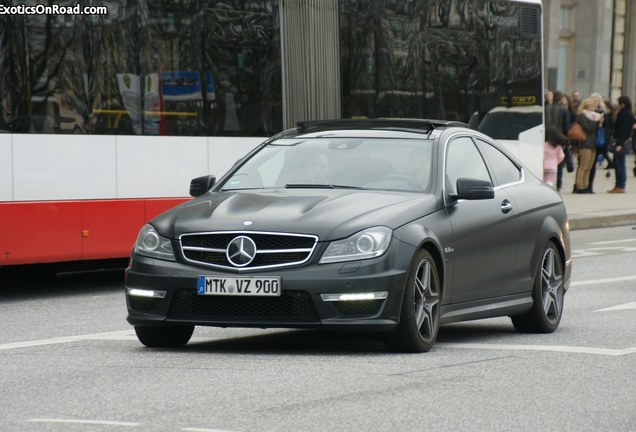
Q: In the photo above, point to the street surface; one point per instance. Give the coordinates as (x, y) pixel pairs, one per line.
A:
(70, 362)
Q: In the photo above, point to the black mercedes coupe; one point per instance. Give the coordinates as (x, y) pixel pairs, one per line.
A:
(389, 226)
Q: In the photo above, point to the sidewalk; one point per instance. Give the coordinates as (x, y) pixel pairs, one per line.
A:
(601, 209)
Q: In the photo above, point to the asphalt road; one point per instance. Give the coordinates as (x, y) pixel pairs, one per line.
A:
(70, 362)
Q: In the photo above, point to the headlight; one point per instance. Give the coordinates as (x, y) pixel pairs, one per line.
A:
(151, 244)
(366, 244)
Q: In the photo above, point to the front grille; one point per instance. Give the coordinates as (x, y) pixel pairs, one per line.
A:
(354, 309)
(272, 249)
(143, 304)
(290, 306)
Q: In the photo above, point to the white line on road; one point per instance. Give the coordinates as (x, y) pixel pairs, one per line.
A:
(124, 335)
(89, 422)
(625, 306)
(603, 281)
(191, 429)
(129, 335)
(614, 241)
(555, 348)
(118, 335)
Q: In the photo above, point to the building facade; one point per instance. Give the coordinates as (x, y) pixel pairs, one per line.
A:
(589, 46)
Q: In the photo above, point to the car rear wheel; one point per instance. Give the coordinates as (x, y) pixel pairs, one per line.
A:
(548, 293)
(164, 337)
(419, 320)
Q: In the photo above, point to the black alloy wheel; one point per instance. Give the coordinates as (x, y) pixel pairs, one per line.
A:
(548, 293)
(419, 320)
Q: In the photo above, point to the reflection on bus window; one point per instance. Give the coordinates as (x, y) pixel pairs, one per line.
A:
(216, 68)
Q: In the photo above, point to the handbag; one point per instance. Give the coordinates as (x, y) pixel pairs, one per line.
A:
(600, 137)
(577, 133)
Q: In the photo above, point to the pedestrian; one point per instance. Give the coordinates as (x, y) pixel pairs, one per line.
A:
(548, 98)
(566, 101)
(553, 154)
(589, 121)
(568, 162)
(556, 115)
(610, 122)
(622, 142)
(576, 99)
(603, 133)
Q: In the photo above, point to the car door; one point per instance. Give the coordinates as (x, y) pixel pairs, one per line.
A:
(508, 176)
(485, 232)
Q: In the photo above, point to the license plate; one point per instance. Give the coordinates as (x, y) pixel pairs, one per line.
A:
(239, 286)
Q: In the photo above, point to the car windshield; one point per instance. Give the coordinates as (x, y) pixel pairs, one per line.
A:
(386, 163)
(508, 125)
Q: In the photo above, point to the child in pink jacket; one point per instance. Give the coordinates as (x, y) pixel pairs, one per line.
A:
(553, 154)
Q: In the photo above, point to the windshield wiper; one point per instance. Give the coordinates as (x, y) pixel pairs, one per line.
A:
(319, 186)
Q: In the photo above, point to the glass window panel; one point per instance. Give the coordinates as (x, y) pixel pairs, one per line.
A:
(566, 19)
(563, 68)
(436, 59)
(463, 160)
(152, 67)
(504, 170)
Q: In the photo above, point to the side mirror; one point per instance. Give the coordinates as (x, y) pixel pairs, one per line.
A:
(473, 189)
(201, 185)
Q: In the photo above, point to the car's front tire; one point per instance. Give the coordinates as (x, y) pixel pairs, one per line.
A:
(164, 337)
(419, 319)
(548, 293)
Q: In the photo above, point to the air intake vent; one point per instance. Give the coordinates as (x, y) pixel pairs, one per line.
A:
(530, 21)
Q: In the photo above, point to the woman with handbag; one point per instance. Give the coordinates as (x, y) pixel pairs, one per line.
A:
(621, 142)
(588, 121)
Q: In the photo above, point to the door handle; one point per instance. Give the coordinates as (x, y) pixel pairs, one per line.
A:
(506, 206)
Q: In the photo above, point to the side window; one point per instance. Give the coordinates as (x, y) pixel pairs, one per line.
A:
(504, 170)
(464, 160)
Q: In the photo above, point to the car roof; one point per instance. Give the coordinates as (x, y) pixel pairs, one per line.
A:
(380, 128)
(406, 124)
(524, 109)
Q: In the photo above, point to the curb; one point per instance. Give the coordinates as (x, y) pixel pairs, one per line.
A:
(602, 221)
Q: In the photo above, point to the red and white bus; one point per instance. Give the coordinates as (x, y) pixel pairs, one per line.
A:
(107, 118)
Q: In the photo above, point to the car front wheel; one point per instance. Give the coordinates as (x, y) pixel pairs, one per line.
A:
(419, 320)
(548, 293)
(164, 337)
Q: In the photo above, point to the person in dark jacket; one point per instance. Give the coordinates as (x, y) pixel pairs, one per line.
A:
(622, 135)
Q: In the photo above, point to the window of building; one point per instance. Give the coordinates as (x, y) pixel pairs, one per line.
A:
(567, 21)
(566, 47)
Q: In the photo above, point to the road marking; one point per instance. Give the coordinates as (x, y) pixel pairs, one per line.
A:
(596, 251)
(625, 306)
(603, 250)
(128, 335)
(124, 335)
(614, 241)
(191, 429)
(90, 422)
(552, 348)
(118, 335)
(603, 281)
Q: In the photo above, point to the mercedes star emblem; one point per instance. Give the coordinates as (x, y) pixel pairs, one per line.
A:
(241, 251)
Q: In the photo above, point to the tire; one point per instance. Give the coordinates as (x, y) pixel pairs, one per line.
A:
(548, 293)
(164, 337)
(419, 318)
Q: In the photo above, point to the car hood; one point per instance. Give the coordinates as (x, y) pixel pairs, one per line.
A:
(329, 214)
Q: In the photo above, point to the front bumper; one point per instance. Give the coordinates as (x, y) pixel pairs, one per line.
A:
(306, 301)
